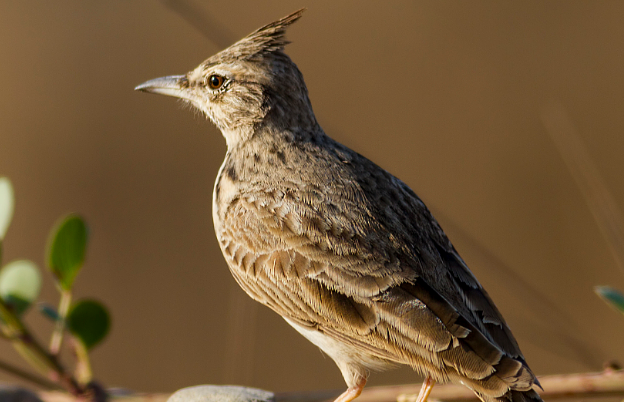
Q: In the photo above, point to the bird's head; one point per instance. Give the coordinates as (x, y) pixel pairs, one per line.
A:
(249, 85)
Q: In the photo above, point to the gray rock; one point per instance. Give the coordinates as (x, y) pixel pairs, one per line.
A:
(9, 393)
(221, 393)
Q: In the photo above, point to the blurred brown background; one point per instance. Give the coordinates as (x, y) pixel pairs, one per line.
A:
(449, 96)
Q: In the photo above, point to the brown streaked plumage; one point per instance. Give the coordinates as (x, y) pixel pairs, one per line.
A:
(340, 248)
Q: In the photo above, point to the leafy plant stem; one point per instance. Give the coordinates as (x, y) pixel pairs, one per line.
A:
(57, 336)
(25, 375)
(33, 352)
(84, 374)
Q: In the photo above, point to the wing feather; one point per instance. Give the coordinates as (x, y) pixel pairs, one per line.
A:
(374, 269)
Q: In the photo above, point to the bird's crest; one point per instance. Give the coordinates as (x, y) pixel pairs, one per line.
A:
(268, 39)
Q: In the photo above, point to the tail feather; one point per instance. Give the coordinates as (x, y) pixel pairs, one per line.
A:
(512, 396)
(521, 396)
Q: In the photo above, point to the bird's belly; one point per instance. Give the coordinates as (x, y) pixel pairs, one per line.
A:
(340, 352)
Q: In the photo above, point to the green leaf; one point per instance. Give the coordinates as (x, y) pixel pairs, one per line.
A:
(20, 283)
(88, 321)
(612, 296)
(6, 205)
(66, 250)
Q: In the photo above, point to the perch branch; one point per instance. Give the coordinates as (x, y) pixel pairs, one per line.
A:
(586, 385)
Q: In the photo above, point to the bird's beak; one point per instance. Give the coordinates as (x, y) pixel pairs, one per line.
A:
(170, 86)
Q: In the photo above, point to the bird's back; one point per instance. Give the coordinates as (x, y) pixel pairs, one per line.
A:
(333, 242)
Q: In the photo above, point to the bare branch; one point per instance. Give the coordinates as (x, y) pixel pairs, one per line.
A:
(587, 385)
(566, 386)
(587, 176)
(197, 17)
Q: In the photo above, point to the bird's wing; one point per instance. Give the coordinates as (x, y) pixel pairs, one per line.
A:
(372, 268)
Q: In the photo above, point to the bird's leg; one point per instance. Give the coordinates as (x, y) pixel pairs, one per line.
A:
(352, 392)
(425, 390)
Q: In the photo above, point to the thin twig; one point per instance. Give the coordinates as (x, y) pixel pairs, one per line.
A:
(220, 36)
(241, 329)
(25, 375)
(587, 176)
(33, 352)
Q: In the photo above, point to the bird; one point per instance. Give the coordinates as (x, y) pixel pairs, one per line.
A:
(344, 251)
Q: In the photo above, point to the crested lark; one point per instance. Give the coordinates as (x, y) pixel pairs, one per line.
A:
(340, 248)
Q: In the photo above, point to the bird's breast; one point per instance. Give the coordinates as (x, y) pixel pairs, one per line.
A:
(225, 191)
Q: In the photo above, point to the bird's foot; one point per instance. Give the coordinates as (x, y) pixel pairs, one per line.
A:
(425, 390)
(352, 393)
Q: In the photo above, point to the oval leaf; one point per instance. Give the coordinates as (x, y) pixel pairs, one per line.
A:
(88, 321)
(6, 205)
(66, 250)
(20, 283)
(612, 296)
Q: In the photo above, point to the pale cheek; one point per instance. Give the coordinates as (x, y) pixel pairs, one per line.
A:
(211, 112)
(219, 118)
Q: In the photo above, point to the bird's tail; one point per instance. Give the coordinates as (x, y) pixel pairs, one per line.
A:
(512, 396)
(520, 396)
(525, 396)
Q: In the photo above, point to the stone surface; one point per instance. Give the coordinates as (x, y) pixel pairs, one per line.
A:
(220, 393)
(9, 393)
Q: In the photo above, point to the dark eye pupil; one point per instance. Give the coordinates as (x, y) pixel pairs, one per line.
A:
(215, 81)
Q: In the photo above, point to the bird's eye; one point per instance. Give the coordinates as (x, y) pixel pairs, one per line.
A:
(215, 81)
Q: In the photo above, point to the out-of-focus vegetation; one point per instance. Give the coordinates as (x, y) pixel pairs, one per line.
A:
(85, 322)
